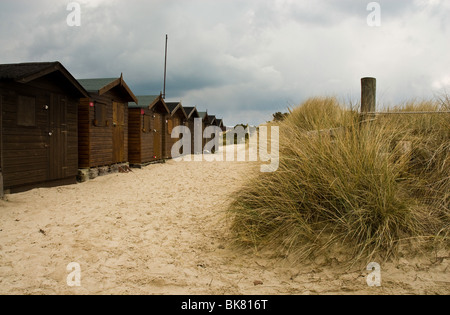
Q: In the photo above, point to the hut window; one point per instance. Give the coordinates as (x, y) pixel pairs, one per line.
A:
(100, 115)
(147, 123)
(26, 111)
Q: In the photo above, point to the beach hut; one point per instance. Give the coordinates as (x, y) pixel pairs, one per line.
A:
(176, 117)
(38, 125)
(212, 120)
(146, 127)
(219, 123)
(192, 114)
(205, 122)
(103, 122)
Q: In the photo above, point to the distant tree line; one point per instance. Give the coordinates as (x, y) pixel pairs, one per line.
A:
(278, 116)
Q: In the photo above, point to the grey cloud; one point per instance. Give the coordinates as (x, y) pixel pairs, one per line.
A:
(238, 59)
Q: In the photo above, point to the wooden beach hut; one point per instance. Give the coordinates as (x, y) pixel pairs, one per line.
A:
(205, 123)
(212, 120)
(38, 125)
(219, 123)
(146, 127)
(177, 117)
(192, 114)
(103, 122)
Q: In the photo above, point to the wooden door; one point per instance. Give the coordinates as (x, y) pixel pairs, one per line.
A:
(118, 132)
(57, 134)
(157, 137)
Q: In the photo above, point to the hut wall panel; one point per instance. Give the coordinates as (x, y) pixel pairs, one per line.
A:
(125, 132)
(164, 135)
(191, 125)
(157, 148)
(177, 120)
(96, 142)
(100, 148)
(72, 137)
(134, 135)
(83, 133)
(27, 150)
(148, 139)
(142, 144)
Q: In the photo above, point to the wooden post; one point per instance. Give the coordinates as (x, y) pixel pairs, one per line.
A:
(368, 95)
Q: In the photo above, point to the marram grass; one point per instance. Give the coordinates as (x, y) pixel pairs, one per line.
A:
(367, 187)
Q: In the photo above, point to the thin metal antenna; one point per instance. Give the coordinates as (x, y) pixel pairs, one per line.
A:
(165, 69)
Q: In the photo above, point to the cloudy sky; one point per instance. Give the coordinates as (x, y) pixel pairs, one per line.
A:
(240, 59)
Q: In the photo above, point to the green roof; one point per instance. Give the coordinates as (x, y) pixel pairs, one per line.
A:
(143, 101)
(95, 85)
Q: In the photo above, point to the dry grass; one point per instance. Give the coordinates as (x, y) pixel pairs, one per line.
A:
(368, 187)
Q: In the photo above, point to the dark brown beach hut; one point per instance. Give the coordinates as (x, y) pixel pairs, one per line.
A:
(103, 122)
(146, 127)
(212, 120)
(192, 114)
(205, 123)
(38, 125)
(177, 117)
(219, 123)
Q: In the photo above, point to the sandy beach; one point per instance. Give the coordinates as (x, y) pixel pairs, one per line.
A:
(163, 230)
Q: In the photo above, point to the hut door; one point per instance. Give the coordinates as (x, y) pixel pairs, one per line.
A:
(157, 138)
(57, 133)
(118, 133)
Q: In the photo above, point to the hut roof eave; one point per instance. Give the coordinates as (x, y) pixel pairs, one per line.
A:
(27, 72)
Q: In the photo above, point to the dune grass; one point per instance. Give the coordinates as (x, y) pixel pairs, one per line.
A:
(366, 187)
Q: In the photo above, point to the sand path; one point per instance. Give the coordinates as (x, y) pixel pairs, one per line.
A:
(162, 230)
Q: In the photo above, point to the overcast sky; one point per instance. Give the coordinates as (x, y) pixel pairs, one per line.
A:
(240, 59)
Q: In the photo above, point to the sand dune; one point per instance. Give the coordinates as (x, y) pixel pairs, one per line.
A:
(162, 230)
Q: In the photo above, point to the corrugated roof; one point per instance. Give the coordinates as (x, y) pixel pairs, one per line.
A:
(143, 101)
(95, 85)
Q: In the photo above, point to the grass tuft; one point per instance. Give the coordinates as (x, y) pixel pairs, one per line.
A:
(367, 187)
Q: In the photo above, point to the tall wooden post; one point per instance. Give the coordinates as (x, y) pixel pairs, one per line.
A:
(368, 95)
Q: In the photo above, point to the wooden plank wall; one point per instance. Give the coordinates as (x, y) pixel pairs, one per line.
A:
(26, 150)
(191, 125)
(84, 125)
(147, 137)
(134, 135)
(142, 143)
(177, 120)
(164, 119)
(96, 142)
(158, 125)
